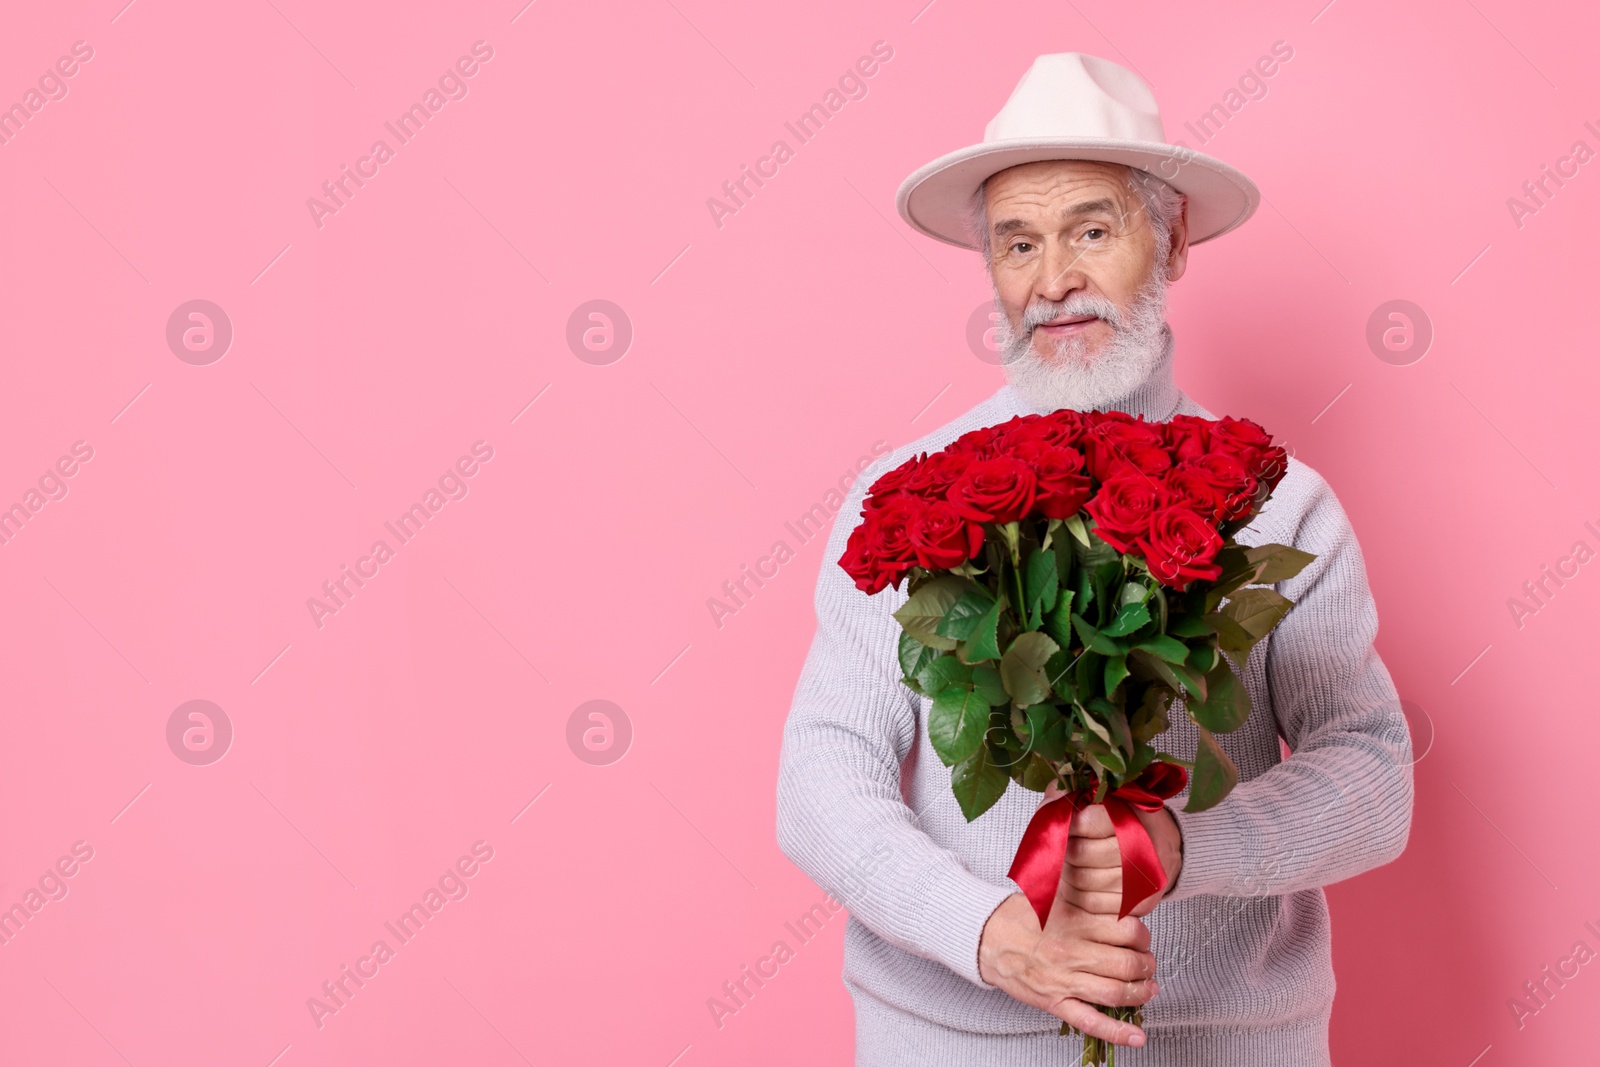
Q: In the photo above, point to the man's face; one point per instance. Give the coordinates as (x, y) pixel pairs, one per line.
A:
(1074, 261)
(1061, 229)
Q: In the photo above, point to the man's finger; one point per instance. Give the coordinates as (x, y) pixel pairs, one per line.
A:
(1093, 821)
(1097, 1023)
(1094, 903)
(1094, 851)
(1144, 907)
(1093, 879)
(1111, 992)
(1120, 964)
(1105, 928)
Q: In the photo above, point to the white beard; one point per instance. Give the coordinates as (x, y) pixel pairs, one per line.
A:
(1073, 377)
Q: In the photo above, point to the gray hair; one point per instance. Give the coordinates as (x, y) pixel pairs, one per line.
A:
(1162, 205)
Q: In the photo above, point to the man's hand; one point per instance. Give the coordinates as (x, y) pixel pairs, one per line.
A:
(1077, 961)
(1092, 879)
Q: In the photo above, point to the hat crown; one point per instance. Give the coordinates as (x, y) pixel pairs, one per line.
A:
(1069, 94)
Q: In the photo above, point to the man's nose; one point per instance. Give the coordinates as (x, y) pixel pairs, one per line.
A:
(1059, 272)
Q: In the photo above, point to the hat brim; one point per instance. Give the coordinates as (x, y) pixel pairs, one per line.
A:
(937, 198)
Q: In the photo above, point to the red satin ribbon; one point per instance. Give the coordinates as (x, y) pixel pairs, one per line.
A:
(1040, 856)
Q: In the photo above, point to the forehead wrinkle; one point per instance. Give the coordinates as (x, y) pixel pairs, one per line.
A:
(1099, 205)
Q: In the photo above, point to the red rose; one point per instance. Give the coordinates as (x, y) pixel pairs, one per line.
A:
(871, 574)
(938, 473)
(857, 562)
(1235, 486)
(890, 481)
(1193, 489)
(1270, 466)
(1239, 436)
(1187, 436)
(1145, 459)
(879, 551)
(1026, 449)
(1123, 506)
(1011, 426)
(942, 539)
(1038, 429)
(889, 528)
(979, 442)
(1116, 436)
(1180, 547)
(1071, 424)
(1063, 485)
(1000, 489)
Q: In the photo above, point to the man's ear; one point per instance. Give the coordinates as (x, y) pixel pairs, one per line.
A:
(1178, 254)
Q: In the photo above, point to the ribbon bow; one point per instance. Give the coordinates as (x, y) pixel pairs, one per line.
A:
(1037, 866)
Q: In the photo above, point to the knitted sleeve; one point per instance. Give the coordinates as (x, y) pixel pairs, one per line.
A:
(1340, 803)
(839, 801)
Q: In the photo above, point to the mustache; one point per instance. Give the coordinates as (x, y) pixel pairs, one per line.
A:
(1042, 311)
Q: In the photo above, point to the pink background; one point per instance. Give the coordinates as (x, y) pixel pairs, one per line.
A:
(767, 356)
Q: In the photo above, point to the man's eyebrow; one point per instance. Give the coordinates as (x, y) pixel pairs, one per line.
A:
(1104, 205)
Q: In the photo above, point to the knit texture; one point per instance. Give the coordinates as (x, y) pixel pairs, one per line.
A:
(1242, 942)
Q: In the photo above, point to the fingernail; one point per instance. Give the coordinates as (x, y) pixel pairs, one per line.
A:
(1136, 1040)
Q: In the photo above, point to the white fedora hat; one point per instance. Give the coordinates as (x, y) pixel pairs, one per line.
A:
(1075, 106)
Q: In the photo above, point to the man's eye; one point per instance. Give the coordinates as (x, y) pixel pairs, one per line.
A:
(1093, 230)
(1022, 246)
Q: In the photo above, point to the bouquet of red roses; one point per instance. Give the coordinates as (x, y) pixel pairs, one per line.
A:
(1071, 575)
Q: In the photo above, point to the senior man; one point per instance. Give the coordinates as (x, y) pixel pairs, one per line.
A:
(1083, 214)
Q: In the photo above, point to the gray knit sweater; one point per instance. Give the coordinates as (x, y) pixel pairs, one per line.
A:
(1242, 942)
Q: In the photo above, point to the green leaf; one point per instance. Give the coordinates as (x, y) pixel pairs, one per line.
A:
(1106, 575)
(1065, 558)
(1058, 620)
(1037, 773)
(1227, 702)
(1237, 571)
(1143, 756)
(1083, 590)
(1022, 667)
(1130, 618)
(1235, 563)
(920, 615)
(957, 723)
(1257, 610)
(1163, 647)
(1058, 669)
(986, 680)
(1190, 626)
(1075, 526)
(1116, 671)
(942, 673)
(965, 614)
(1214, 774)
(1231, 637)
(1277, 563)
(1175, 675)
(1094, 725)
(983, 644)
(978, 781)
(914, 655)
(1150, 718)
(1095, 640)
(1202, 657)
(1089, 674)
(1117, 722)
(1045, 731)
(1039, 583)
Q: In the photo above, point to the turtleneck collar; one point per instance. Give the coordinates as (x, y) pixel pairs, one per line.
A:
(1157, 398)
